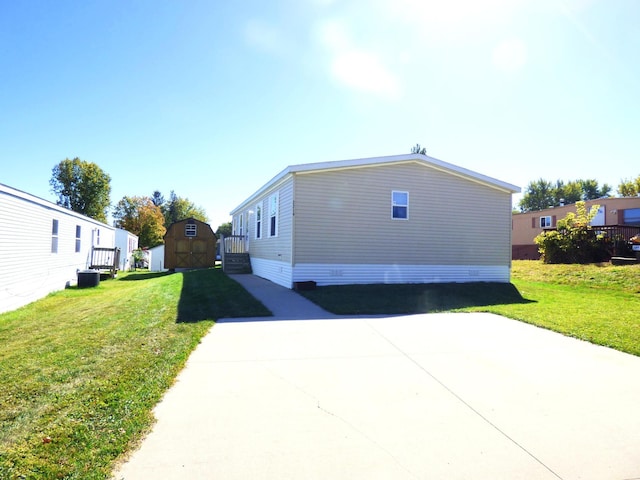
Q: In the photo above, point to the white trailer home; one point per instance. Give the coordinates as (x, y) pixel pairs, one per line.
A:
(127, 242)
(398, 219)
(42, 246)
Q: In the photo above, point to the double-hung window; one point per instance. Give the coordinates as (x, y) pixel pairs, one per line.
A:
(54, 236)
(545, 222)
(273, 215)
(78, 237)
(259, 220)
(399, 205)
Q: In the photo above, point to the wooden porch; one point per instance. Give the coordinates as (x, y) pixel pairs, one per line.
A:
(105, 259)
(234, 253)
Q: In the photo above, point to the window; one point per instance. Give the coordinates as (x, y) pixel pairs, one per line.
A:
(273, 215)
(54, 236)
(400, 205)
(258, 221)
(78, 236)
(190, 230)
(545, 222)
(631, 216)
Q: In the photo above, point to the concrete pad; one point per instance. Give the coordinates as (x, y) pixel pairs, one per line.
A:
(422, 396)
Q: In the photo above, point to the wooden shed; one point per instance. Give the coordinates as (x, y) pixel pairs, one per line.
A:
(189, 243)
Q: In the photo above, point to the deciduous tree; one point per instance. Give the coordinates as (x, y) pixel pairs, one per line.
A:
(178, 208)
(141, 217)
(629, 188)
(83, 187)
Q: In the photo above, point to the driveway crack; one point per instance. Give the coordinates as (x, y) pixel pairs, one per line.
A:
(463, 401)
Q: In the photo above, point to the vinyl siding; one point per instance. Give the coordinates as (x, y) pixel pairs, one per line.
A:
(273, 270)
(344, 217)
(276, 248)
(29, 269)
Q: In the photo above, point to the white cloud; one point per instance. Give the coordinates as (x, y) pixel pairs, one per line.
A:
(510, 55)
(364, 71)
(355, 67)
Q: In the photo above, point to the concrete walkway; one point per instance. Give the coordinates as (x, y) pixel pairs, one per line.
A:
(442, 396)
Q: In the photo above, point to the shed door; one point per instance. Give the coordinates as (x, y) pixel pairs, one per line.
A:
(191, 253)
(183, 253)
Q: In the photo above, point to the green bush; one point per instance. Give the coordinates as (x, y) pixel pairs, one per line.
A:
(574, 241)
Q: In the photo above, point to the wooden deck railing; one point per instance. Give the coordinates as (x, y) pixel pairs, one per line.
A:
(235, 244)
(105, 259)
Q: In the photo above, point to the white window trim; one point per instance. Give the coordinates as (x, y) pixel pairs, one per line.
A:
(393, 205)
(190, 227)
(548, 221)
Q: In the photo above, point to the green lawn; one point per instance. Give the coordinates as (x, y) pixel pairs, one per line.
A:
(597, 303)
(81, 369)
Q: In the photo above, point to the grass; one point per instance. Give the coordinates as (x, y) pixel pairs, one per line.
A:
(597, 303)
(81, 369)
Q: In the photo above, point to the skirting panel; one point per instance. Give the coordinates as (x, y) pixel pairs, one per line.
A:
(277, 272)
(345, 274)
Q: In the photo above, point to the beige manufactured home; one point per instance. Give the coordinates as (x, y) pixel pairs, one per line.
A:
(397, 219)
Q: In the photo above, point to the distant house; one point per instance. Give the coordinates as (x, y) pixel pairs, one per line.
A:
(127, 242)
(527, 226)
(398, 219)
(189, 243)
(42, 246)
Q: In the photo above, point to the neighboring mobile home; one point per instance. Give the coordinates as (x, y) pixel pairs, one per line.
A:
(127, 242)
(398, 219)
(527, 226)
(42, 246)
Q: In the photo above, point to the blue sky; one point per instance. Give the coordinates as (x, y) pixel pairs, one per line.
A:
(211, 99)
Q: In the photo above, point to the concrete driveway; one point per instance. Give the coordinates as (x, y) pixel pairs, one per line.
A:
(441, 396)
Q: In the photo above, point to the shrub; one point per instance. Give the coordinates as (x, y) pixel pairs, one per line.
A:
(574, 241)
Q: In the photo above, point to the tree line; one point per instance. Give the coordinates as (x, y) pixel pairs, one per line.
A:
(541, 193)
(85, 188)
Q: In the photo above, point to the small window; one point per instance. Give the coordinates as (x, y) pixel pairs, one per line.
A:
(545, 222)
(78, 237)
(190, 230)
(400, 205)
(631, 216)
(54, 236)
(258, 221)
(273, 215)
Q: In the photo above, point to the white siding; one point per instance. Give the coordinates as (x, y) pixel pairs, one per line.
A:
(127, 242)
(156, 262)
(277, 272)
(346, 274)
(29, 269)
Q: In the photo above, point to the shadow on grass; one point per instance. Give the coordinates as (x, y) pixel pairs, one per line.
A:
(208, 294)
(380, 299)
(144, 276)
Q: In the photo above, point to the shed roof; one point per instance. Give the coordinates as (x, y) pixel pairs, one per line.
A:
(380, 161)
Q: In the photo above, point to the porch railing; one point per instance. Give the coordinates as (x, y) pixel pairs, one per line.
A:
(235, 244)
